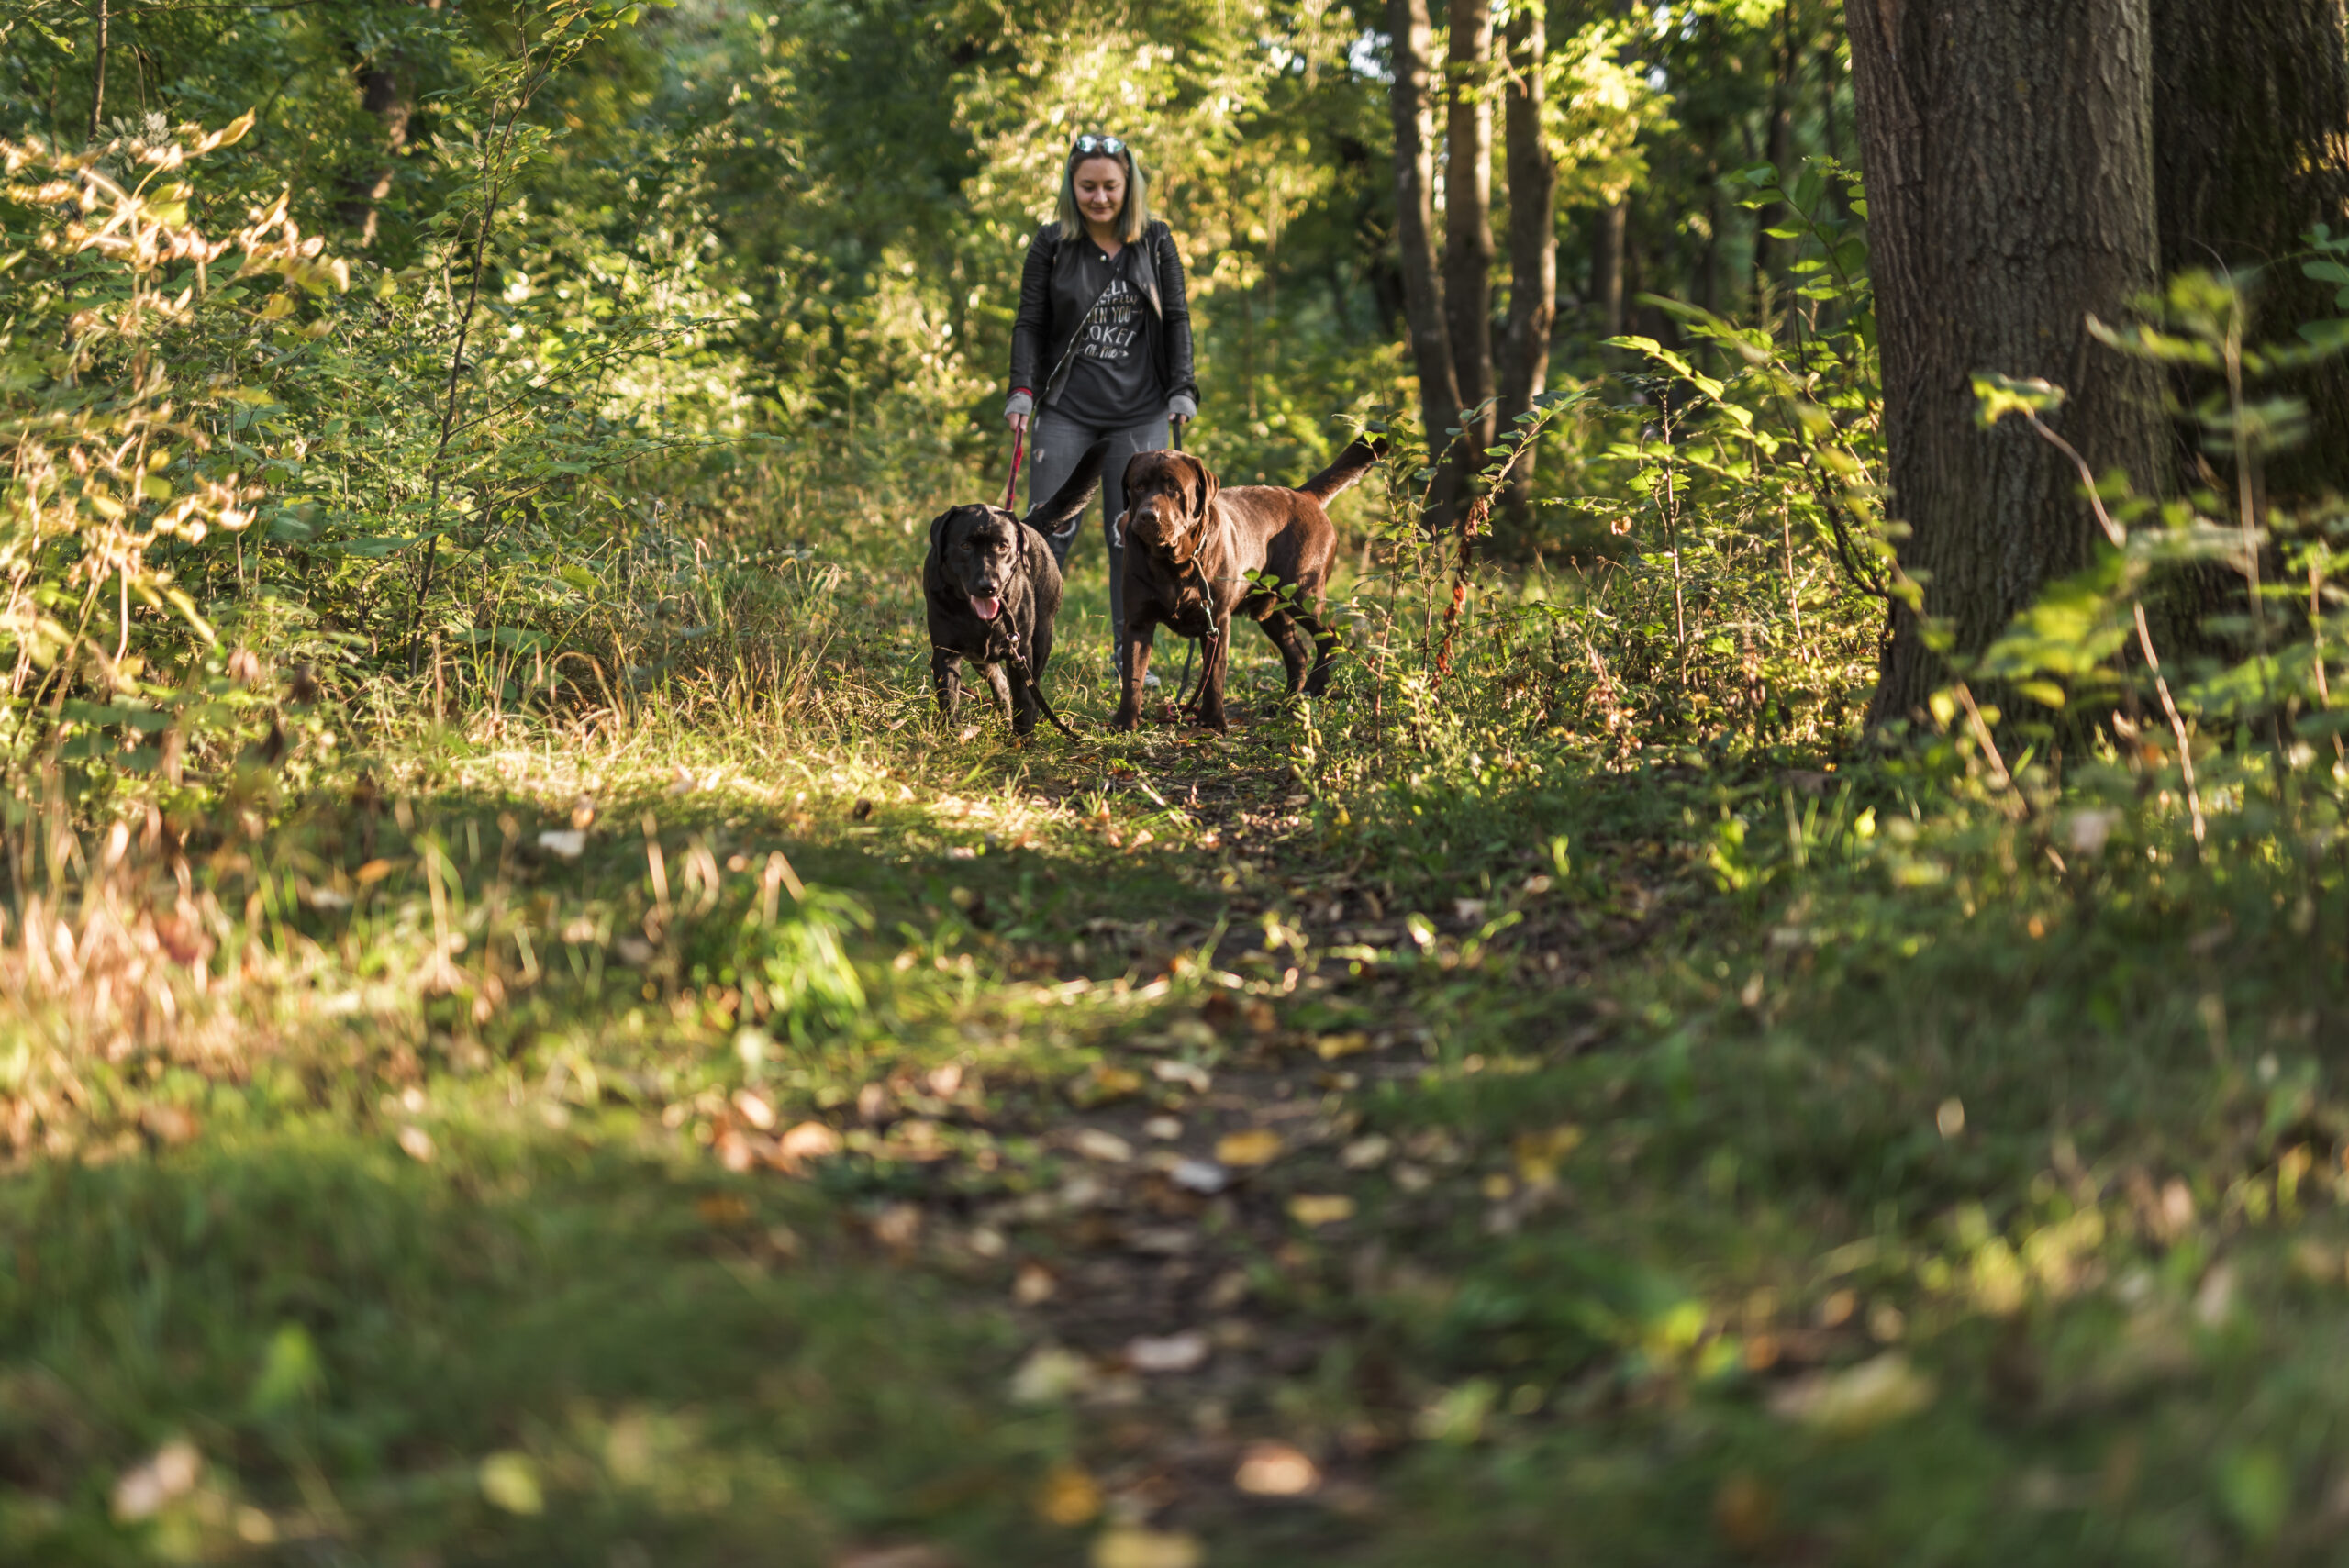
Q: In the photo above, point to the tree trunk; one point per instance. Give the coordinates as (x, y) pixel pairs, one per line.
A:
(98, 76)
(1533, 246)
(1468, 219)
(382, 94)
(2251, 151)
(1771, 258)
(2008, 151)
(1610, 236)
(1414, 41)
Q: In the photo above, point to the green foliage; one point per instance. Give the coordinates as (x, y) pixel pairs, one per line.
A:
(450, 617)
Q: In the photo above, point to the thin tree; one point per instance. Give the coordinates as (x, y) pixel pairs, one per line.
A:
(1468, 219)
(2008, 151)
(1532, 240)
(1413, 43)
(385, 96)
(1610, 242)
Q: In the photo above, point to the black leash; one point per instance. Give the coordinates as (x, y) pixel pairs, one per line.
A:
(1017, 661)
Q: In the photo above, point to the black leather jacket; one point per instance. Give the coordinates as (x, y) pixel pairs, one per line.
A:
(1055, 295)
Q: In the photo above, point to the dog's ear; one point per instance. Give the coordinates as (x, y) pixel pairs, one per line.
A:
(1208, 485)
(938, 532)
(1059, 512)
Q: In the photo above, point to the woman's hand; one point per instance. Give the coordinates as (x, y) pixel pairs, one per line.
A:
(1016, 412)
(1018, 423)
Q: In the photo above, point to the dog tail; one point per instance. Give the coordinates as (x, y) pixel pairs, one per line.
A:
(1351, 464)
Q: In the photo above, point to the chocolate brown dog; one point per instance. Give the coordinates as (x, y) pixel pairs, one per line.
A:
(1197, 554)
(991, 590)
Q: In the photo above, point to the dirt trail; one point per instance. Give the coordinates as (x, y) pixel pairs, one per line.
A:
(1213, 1209)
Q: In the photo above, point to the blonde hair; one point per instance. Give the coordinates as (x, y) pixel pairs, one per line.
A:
(1133, 218)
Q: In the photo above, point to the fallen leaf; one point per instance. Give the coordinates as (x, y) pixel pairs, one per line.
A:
(1050, 1375)
(1367, 1153)
(809, 1140)
(1069, 1497)
(1202, 1177)
(1032, 1284)
(1184, 1352)
(1162, 1240)
(1107, 1147)
(183, 941)
(1857, 1399)
(1254, 1146)
(1132, 1547)
(1745, 1512)
(915, 1555)
(510, 1480)
(1320, 1209)
(417, 1144)
(725, 1210)
(565, 843)
(1165, 1128)
(169, 1124)
(1275, 1470)
(1540, 1153)
(1330, 1047)
(1102, 1083)
(755, 1109)
(898, 1226)
(373, 872)
(172, 1472)
(1189, 1074)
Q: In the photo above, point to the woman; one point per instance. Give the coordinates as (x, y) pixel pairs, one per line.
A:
(1102, 345)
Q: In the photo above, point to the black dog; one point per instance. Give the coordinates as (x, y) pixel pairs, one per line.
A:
(992, 589)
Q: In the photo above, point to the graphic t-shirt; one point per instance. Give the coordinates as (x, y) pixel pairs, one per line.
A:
(1113, 382)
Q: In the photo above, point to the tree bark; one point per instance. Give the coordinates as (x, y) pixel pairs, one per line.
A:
(384, 95)
(2251, 151)
(1413, 42)
(1771, 258)
(1610, 237)
(1468, 218)
(2008, 151)
(98, 75)
(1532, 245)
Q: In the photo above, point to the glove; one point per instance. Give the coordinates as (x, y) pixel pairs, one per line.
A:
(1020, 403)
(1182, 406)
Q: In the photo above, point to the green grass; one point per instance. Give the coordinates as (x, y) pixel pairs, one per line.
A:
(1849, 1184)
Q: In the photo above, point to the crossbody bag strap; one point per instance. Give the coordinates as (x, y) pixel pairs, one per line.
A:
(1077, 336)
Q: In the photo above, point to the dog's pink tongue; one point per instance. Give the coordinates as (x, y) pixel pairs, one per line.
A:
(987, 608)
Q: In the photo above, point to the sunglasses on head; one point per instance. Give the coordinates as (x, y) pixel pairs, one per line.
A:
(1088, 144)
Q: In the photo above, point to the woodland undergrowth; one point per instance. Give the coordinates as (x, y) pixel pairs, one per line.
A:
(521, 1035)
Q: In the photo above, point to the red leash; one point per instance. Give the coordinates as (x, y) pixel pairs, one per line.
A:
(1019, 450)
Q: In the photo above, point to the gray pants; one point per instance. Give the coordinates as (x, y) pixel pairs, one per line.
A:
(1059, 440)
